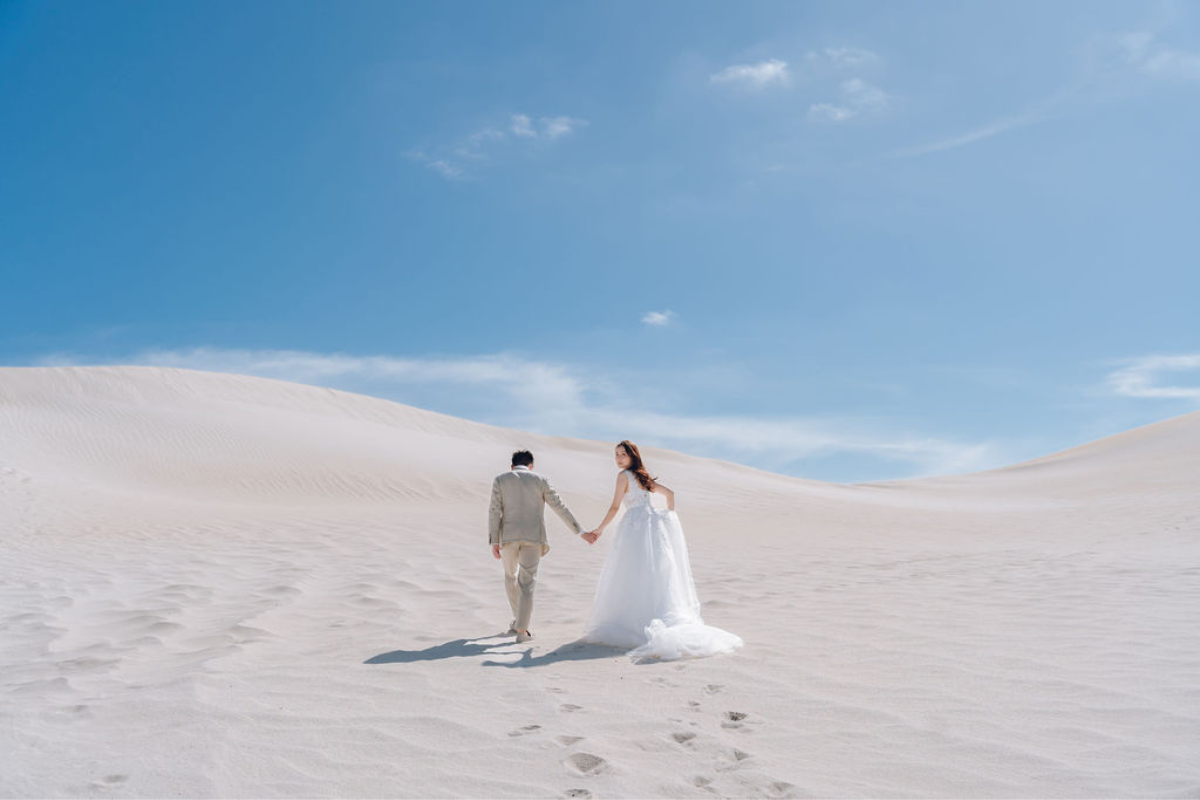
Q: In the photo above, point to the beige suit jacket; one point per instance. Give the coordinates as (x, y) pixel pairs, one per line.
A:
(517, 510)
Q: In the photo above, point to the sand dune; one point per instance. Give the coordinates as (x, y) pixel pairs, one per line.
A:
(217, 585)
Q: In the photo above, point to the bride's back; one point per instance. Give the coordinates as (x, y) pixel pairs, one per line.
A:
(636, 495)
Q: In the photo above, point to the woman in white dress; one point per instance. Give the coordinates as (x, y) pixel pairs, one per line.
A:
(645, 596)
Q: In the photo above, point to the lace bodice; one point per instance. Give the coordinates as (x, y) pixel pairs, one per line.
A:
(636, 495)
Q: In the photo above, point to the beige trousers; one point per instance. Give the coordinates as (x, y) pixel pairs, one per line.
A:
(520, 574)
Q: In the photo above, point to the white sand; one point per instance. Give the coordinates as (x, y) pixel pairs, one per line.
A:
(215, 585)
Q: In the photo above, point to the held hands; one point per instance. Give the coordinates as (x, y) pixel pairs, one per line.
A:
(590, 536)
(495, 551)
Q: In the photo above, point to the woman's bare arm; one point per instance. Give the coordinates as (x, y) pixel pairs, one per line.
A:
(622, 487)
(663, 490)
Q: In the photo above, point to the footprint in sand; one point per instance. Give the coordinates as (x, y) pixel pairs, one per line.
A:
(781, 789)
(731, 760)
(567, 741)
(577, 793)
(569, 707)
(109, 781)
(586, 764)
(738, 720)
(714, 688)
(683, 737)
(526, 730)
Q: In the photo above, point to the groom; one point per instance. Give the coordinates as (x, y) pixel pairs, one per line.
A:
(517, 533)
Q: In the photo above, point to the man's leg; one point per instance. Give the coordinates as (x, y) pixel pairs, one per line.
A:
(527, 561)
(508, 556)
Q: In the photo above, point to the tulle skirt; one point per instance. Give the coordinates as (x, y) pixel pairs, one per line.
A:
(645, 597)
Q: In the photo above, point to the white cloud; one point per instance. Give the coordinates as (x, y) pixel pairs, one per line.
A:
(473, 146)
(450, 170)
(1112, 69)
(658, 318)
(1134, 45)
(551, 127)
(554, 399)
(451, 159)
(554, 127)
(830, 112)
(856, 97)
(844, 56)
(863, 95)
(447, 169)
(534, 383)
(1175, 64)
(1142, 377)
(978, 134)
(776, 442)
(522, 126)
(1159, 60)
(754, 76)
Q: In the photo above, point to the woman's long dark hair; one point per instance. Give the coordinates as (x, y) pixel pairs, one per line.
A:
(636, 466)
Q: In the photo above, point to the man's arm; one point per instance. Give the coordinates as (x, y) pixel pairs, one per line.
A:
(554, 501)
(495, 513)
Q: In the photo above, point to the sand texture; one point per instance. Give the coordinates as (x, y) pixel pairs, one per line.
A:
(223, 586)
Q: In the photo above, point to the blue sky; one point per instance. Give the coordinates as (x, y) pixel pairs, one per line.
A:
(843, 241)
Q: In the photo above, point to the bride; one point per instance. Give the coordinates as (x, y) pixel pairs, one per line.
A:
(645, 597)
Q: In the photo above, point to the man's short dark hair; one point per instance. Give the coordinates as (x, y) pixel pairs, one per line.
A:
(522, 458)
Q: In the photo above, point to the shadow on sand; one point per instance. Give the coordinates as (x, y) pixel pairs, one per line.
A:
(495, 646)
(577, 650)
(458, 648)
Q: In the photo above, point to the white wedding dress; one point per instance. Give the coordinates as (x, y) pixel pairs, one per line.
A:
(645, 596)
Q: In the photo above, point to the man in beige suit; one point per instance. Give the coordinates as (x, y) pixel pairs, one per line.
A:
(517, 533)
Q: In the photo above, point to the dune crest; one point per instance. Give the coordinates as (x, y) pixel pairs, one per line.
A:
(217, 437)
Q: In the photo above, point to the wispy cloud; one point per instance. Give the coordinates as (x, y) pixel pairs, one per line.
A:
(547, 127)
(863, 95)
(533, 383)
(856, 96)
(554, 127)
(978, 134)
(754, 76)
(658, 318)
(1145, 54)
(1143, 377)
(452, 159)
(474, 145)
(830, 112)
(560, 400)
(1108, 69)
(446, 169)
(843, 56)
(522, 126)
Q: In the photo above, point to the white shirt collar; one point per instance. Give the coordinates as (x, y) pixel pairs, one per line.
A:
(522, 466)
